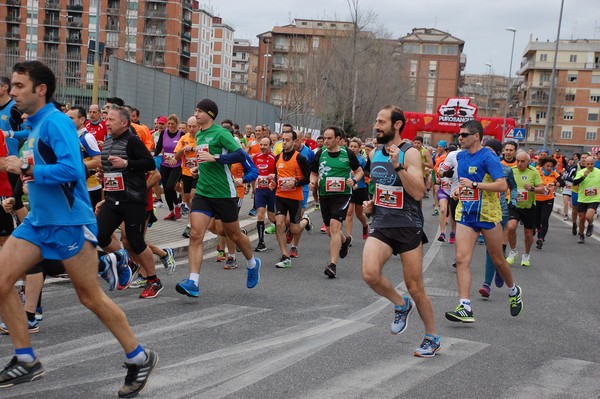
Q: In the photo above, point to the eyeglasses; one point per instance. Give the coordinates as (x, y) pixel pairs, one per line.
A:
(463, 135)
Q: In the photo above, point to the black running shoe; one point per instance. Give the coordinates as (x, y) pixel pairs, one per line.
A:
(330, 271)
(137, 376)
(461, 314)
(590, 230)
(539, 243)
(345, 246)
(17, 372)
(574, 229)
(516, 303)
(261, 247)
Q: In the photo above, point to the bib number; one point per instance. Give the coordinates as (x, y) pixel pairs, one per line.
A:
(114, 182)
(522, 196)
(389, 196)
(168, 157)
(262, 182)
(28, 157)
(468, 194)
(284, 180)
(200, 148)
(191, 162)
(590, 192)
(335, 184)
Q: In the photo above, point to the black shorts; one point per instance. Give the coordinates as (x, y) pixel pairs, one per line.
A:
(453, 204)
(49, 267)
(7, 222)
(132, 214)
(334, 207)
(151, 217)
(224, 209)
(400, 239)
(525, 215)
(189, 183)
(359, 196)
(283, 206)
(583, 206)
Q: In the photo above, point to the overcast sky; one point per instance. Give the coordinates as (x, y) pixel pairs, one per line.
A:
(480, 23)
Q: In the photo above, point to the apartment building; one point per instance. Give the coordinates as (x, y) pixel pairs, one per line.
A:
(432, 62)
(244, 68)
(488, 93)
(285, 55)
(574, 122)
(222, 54)
(200, 68)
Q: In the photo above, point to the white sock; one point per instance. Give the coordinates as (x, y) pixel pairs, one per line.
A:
(513, 290)
(195, 277)
(466, 303)
(251, 263)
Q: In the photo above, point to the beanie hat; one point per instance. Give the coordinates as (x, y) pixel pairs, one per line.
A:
(495, 145)
(208, 106)
(442, 143)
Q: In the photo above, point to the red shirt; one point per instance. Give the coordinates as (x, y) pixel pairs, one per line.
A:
(265, 163)
(5, 187)
(97, 130)
(310, 143)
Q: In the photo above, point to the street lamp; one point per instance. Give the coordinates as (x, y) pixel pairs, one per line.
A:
(553, 78)
(489, 91)
(264, 93)
(514, 32)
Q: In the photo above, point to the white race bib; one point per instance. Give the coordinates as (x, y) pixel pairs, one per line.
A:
(114, 182)
(389, 196)
(335, 184)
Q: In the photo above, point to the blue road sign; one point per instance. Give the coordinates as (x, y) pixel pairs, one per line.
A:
(519, 133)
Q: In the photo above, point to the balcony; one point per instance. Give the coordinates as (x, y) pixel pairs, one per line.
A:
(75, 23)
(281, 48)
(114, 27)
(279, 66)
(52, 5)
(186, 36)
(187, 23)
(187, 4)
(537, 102)
(13, 3)
(13, 35)
(74, 40)
(184, 68)
(154, 47)
(185, 53)
(154, 64)
(13, 18)
(158, 14)
(277, 84)
(75, 7)
(51, 38)
(152, 31)
(52, 22)
(113, 11)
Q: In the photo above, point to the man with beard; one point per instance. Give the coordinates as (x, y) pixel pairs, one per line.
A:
(509, 153)
(397, 228)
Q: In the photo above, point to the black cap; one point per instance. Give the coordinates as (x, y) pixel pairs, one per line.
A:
(495, 145)
(208, 106)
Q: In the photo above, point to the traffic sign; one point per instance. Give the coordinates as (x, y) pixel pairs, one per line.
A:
(519, 133)
(509, 133)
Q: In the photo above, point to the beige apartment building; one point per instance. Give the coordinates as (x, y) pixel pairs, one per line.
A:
(244, 68)
(576, 109)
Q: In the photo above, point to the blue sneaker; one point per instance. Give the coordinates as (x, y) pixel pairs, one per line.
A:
(32, 327)
(124, 273)
(429, 347)
(252, 212)
(498, 280)
(188, 287)
(110, 270)
(39, 314)
(401, 317)
(253, 275)
(480, 240)
(168, 261)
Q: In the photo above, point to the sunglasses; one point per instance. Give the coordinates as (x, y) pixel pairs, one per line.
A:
(463, 135)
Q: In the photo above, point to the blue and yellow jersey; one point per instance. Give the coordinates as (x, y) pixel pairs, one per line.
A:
(476, 205)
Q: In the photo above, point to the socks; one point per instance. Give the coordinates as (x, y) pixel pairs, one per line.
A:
(151, 278)
(434, 338)
(25, 354)
(260, 227)
(466, 303)
(504, 250)
(513, 290)
(137, 356)
(251, 263)
(195, 277)
(403, 308)
(30, 317)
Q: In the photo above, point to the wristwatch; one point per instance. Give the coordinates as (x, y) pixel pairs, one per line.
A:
(399, 168)
(475, 184)
(25, 167)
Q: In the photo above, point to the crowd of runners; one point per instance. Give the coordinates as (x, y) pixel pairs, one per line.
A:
(94, 177)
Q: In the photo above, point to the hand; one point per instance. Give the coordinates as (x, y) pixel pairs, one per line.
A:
(394, 153)
(350, 182)
(464, 182)
(527, 186)
(205, 156)
(13, 164)
(194, 171)
(117, 162)
(188, 148)
(368, 206)
(272, 185)
(8, 204)
(238, 181)
(98, 206)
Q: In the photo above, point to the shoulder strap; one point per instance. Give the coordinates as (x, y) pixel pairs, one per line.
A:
(403, 148)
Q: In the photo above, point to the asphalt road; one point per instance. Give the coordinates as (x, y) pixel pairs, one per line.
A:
(301, 335)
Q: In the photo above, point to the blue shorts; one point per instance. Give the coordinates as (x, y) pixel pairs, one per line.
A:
(478, 226)
(574, 199)
(158, 161)
(305, 200)
(265, 198)
(57, 242)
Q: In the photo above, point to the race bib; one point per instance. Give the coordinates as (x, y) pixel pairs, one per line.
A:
(191, 162)
(169, 157)
(468, 194)
(446, 185)
(590, 192)
(522, 196)
(335, 184)
(568, 185)
(389, 196)
(283, 180)
(262, 182)
(28, 157)
(200, 148)
(114, 182)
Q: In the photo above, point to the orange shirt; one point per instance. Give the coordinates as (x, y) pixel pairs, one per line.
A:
(189, 158)
(144, 133)
(288, 170)
(550, 179)
(237, 171)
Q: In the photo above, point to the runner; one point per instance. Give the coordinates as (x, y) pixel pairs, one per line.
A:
(588, 180)
(170, 168)
(544, 202)
(215, 197)
(480, 179)
(397, 228)
(529, 183)
(360, 194)
(264, 197)
(55, 229)
(186, 152)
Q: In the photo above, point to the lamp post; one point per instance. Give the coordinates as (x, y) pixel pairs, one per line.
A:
(514, 32)
(489, 90)
(266, 62)
(553, 79)
(96, 56)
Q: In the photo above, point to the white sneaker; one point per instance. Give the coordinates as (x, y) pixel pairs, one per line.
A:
(511, 256)
(525, 260)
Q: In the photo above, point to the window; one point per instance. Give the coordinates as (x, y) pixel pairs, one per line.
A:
(431, 49)
(573, 58)
(449, 50)
(595, 98)
(412, 48)
(571, 78)
(593, 117)
(566, 135)
(596, 79)
(540, 115)
(590, 136)
(543, 57)
(570, 97)
(568, 116)
(315, 42)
